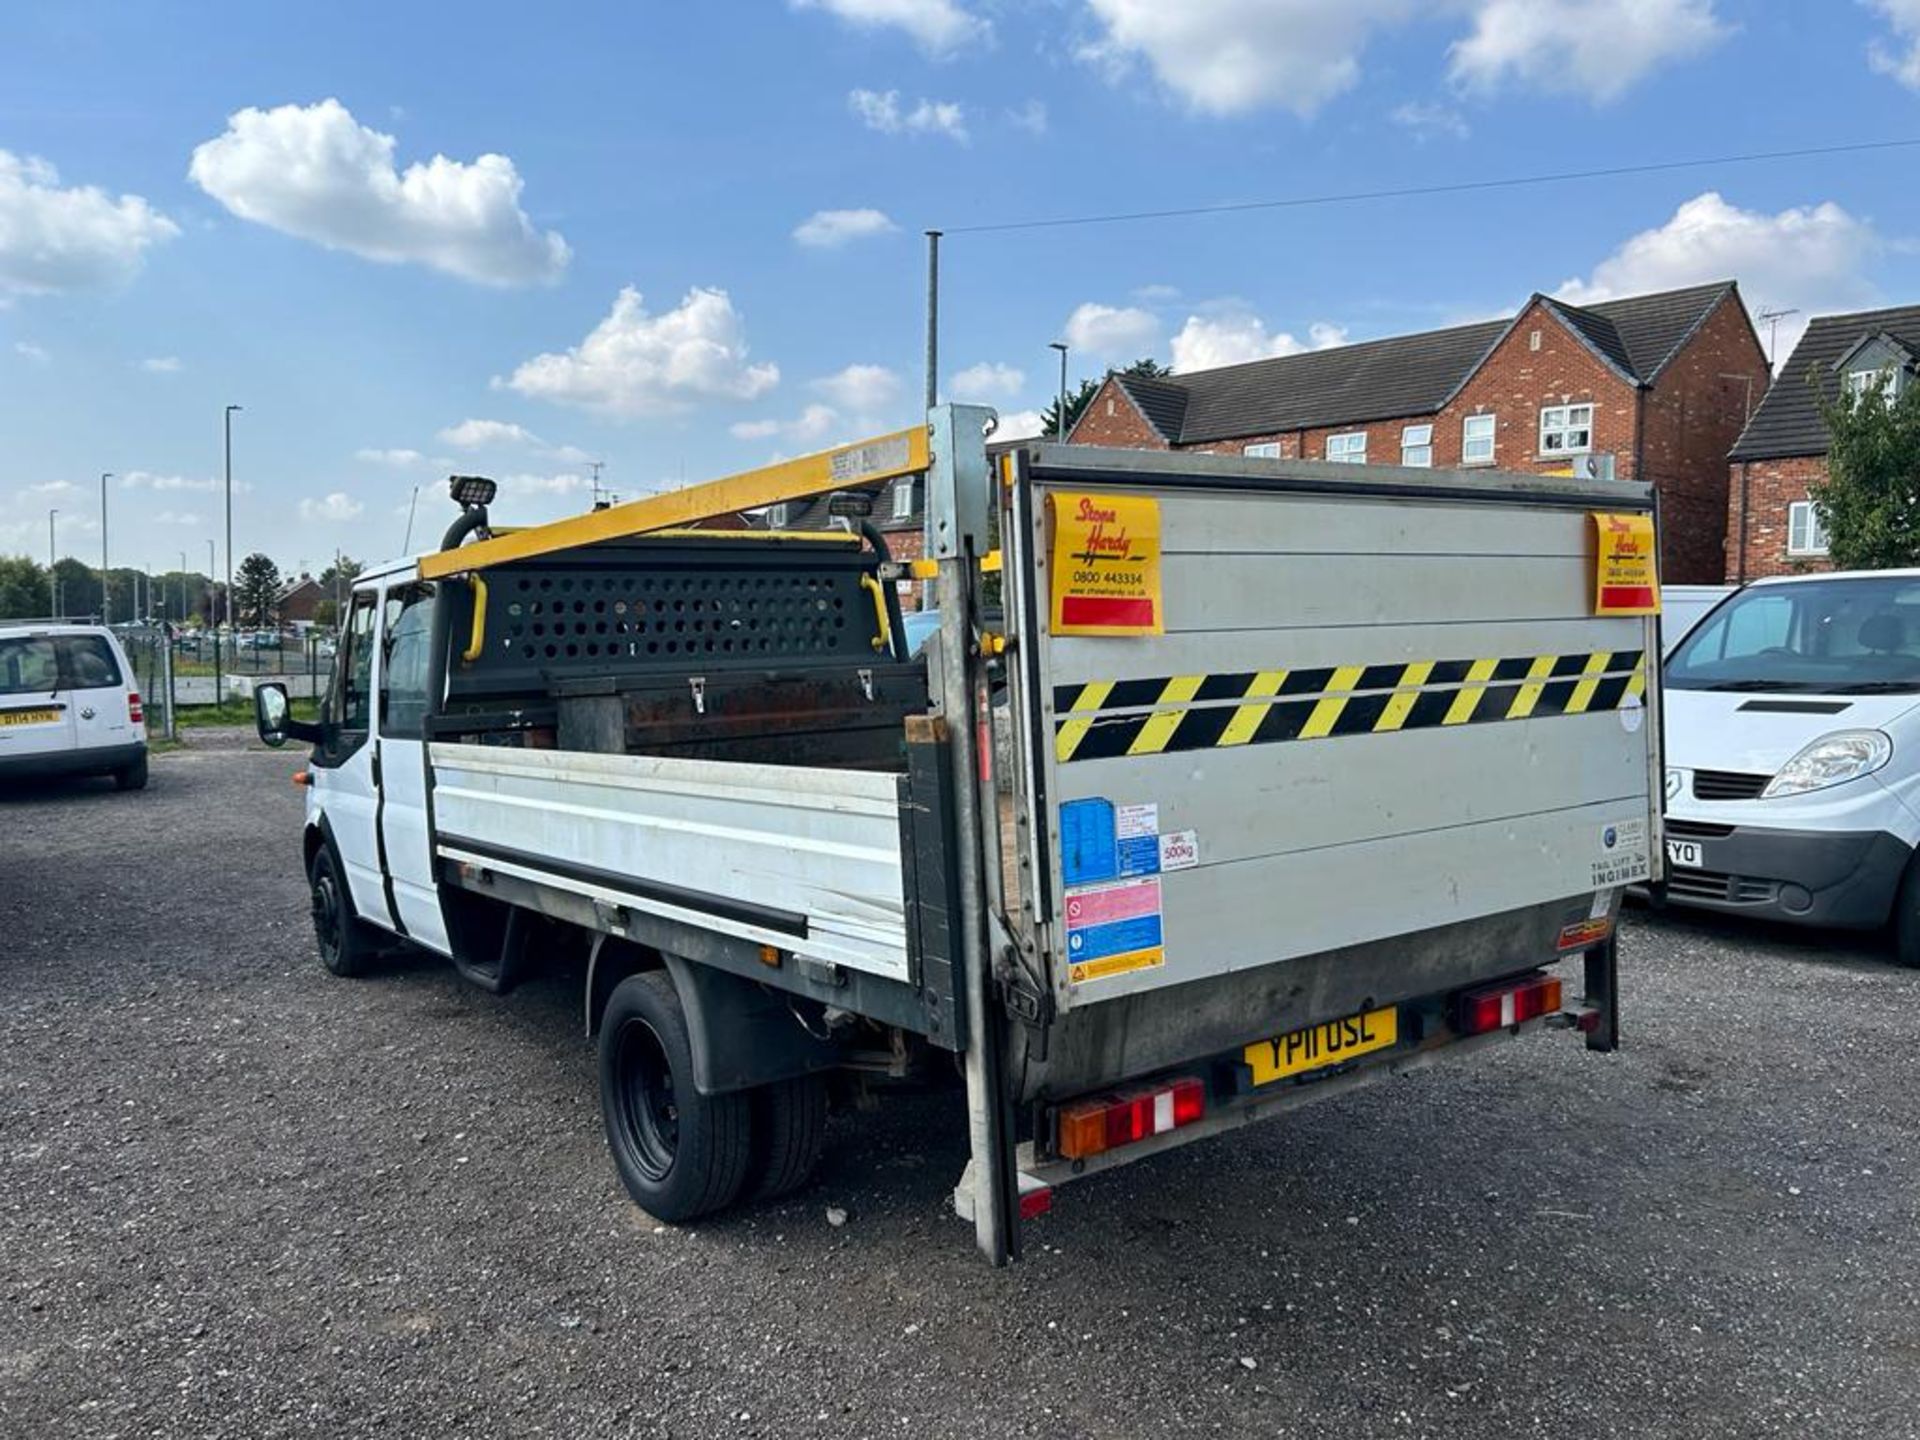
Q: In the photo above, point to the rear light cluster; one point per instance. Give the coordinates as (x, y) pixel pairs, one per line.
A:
(1512, 1002)
(136, 713)
(1106, 1122)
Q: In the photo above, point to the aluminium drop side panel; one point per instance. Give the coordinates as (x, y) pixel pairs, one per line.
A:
(1422, 804)
(806, 860)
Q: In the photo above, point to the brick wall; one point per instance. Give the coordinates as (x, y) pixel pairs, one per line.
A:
(1111, 418)
(1770, 487)
(1693, 415)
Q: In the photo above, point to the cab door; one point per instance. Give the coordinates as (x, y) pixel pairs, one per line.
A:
(36, 713)
(344, 771)
(406, 823)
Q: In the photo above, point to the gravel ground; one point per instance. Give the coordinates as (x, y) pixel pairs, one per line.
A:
(241, 1198)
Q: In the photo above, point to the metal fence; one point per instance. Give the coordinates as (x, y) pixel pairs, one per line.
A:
(176, 671)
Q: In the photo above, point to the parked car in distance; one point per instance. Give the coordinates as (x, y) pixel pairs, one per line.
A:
(68, 705)
(1793, 754)
(1684, 606)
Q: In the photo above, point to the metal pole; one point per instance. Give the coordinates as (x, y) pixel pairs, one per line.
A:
(106, 578)
(933, 318)
(406, 545)
(183, 587)
(53, 576)
(229, 430)
(1060, 415)
(213, 620)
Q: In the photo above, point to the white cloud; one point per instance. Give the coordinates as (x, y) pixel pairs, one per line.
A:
(814, 423)
(176, 517)
(205, 484)
(161, 365)
(1225, 57)
(1030, 117)
(1106, 332)
(1811, 258)
(55, 240)
(1430, 122)
(316, 172)
(1901, 59)
(633, 363)
(31, 353)
(565, 483)
(880, 110)
(1233, 336)
(939, 26)
(336, 508)
(53, 487)
(830, 229)
(1597, 48)
(861, 390)
(480, 434)
(399, 459)
(1019, 425)
(987, 381)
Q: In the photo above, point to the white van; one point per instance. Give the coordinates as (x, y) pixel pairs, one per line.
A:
(1684, 606)
(68, 705)
(1793, 754)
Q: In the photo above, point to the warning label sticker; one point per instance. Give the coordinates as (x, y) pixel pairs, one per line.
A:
(1106, 564)
(1113, 929)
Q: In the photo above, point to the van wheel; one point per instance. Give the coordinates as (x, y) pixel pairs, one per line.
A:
(789, 1130)
(132, 777)
(346, 949)
(1906, 919)
(680, 1154)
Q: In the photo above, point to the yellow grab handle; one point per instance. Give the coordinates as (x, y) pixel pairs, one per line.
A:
(884, 640)
(477, 637)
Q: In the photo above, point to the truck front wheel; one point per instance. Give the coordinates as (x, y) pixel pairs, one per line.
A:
(680, 1154)
(346, 948)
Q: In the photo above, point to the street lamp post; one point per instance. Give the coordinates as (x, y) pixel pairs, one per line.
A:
(229, 430)
(1060, 415)
(53, 575)
(106, 577)
(183, 587)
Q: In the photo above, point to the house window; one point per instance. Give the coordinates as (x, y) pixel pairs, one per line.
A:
(777, 516)
(1416, 446)
(1857, 383)
(1349, 449)
(1566, 429)
(1476, 440)
(1265, 450)
(1806, 531)
(903, 500)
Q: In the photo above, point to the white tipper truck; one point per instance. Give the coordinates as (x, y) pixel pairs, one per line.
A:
(1308, 776)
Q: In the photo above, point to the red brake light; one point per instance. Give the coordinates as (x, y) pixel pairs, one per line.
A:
(1106, 1122)
(1513, 1002)
(136, 714)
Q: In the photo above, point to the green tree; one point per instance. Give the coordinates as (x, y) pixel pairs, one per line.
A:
(1078, 399)
(23, 588)
(256, 588)
(1870, 500)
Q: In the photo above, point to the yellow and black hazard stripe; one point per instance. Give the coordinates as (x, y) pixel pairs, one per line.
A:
(1163, 716)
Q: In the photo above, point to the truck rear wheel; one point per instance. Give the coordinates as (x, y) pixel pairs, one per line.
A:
(346, 949)
(680, 1154)
(789, 1129)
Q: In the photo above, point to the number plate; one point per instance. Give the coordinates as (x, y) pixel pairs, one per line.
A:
(1333, 1043)
(1686, 853)
(28, 717)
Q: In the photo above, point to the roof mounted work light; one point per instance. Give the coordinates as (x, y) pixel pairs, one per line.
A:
(850, 504)
(472, 489)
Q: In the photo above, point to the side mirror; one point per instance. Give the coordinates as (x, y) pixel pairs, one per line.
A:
(272, 713)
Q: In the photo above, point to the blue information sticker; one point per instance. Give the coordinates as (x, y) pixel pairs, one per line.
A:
(1121, 937)
(1139, 855)
(1086, 842)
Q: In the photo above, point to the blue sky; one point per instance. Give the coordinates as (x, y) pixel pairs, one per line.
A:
(696, 244)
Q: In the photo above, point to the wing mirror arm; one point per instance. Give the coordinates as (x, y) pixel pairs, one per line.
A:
(273, 717)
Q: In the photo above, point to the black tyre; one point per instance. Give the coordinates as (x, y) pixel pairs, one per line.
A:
(680, 1154)
(346, 947)
(789, 1129)
(132, 777)
(1906, 919)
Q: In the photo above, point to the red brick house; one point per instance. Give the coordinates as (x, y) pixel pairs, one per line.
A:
(1773, 526)
(1652, 387)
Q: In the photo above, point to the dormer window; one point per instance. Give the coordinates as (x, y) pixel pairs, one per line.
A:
(1886, 378)
(1878, 364)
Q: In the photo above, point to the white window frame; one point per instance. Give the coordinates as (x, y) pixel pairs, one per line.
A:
(1416, 446)
(1468, 439)
(1854, 383)
(1557, 424)
(1341, 450)
(1803, 519)
(1264, 450)
(777, 515)
(903, 498)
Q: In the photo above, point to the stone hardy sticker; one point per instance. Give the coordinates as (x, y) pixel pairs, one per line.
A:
(1625, 582)
(1106, 564)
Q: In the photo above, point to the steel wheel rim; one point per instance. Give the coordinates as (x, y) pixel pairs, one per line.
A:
(326, 915)
(649, 1113)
